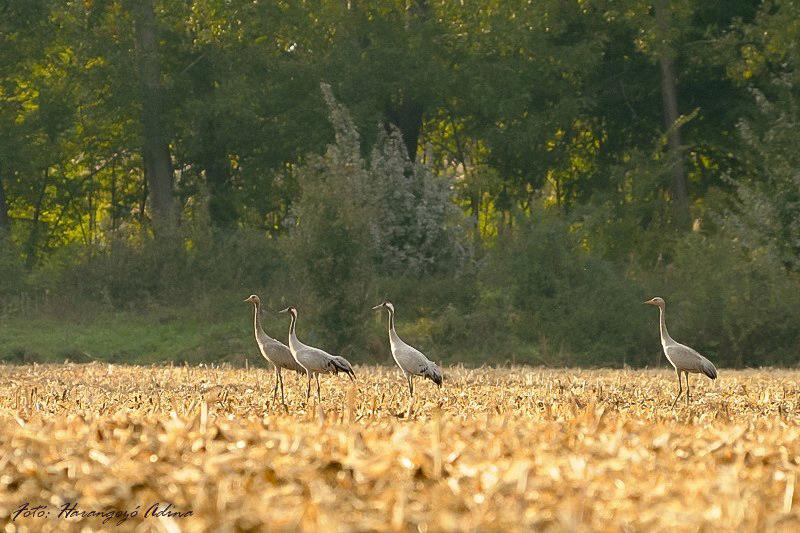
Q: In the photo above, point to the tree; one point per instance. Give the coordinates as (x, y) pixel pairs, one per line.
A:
(156, 157)
(764, 214)
(388, 62)
(5, 222)
(669, 95)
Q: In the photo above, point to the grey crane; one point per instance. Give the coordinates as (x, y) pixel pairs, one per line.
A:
(273, 350)
(682, 358)
(410, 360)
(313, 360)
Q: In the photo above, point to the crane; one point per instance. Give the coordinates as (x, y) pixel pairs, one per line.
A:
(313, 360)
(410, 360)
(682, 358)
(273, 350)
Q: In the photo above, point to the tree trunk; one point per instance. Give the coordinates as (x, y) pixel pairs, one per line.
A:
(113, 206)
(407, 116)
(213, 156)
(143, 202)
(669, 95)
(407, 112)
(33, 236)
(5, 222)
(156, 156)
(221, 208)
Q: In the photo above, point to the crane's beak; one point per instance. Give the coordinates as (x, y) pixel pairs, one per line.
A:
(247, 300)
(377, 307)
(284, 310)
(649, 302)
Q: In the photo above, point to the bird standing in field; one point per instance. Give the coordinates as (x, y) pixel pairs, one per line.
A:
(313, 360)
(683, 358)
(273, 350)
(410, 360)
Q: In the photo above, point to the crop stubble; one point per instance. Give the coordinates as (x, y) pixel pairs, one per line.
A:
(496, 448)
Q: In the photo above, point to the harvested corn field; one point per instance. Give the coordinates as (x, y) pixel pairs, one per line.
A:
(96, 447)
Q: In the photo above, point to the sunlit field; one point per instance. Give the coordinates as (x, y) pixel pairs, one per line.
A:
(495, 449)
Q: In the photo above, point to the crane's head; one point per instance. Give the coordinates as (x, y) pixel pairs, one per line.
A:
(291, 310)
(386, 304)
(658, 302)
(253, 299)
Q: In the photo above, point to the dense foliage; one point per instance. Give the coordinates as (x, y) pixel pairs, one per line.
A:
(516, 176)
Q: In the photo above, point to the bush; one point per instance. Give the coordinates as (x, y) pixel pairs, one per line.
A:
(331, 247)
(12, 270)
(137, 273)
(765, 211)
(738, 307)
(553, 293)
(357, 217)
(417, 223)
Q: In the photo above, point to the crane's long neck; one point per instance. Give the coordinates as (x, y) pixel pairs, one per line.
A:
(392, 332)
(662, 326)
(292, 335)
(256, 319)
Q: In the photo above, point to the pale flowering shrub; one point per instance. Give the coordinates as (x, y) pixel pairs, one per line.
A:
(359, 217)
(418, 230)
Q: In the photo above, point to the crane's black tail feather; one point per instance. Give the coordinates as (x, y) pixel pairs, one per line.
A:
(434, 374)
(340, 364)
(709, 369)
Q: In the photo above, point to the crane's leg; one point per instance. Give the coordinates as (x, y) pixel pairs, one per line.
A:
(280, 380)
(680, 387)
(319, 395)
(277, 378)
(410, 387)
(687, 388)
(308, 387)
(411, 382)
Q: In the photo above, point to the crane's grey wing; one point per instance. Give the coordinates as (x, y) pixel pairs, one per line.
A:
(314, 359)
(686, 358)
(317, 360)
(409, 359)
(288, 361)
(279, 354)
(707, 367)
(414, 362)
